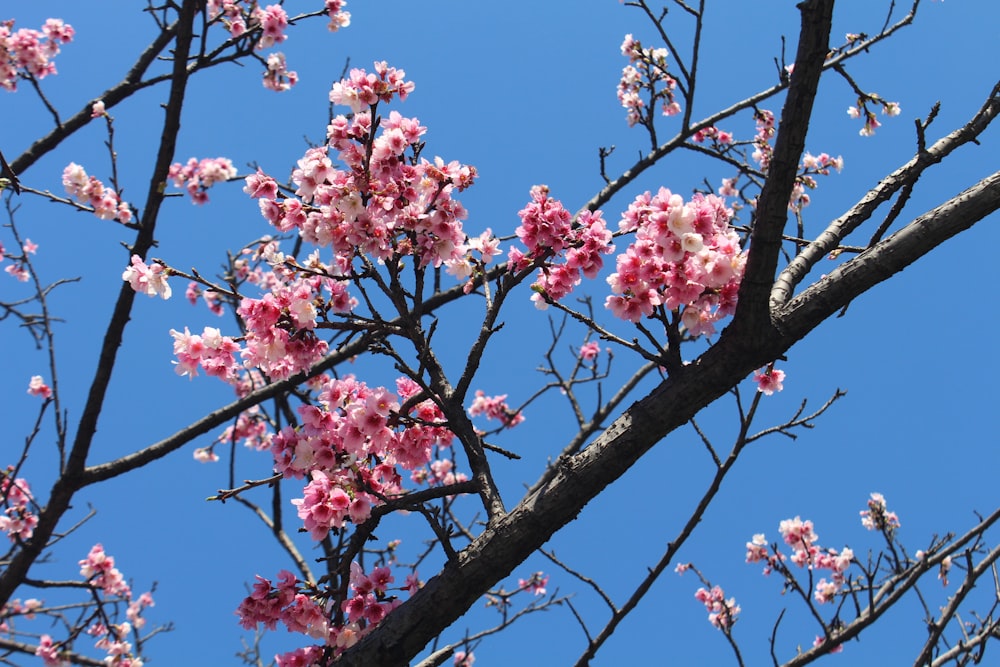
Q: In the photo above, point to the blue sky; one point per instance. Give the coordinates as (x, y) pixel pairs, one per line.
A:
(526, 92)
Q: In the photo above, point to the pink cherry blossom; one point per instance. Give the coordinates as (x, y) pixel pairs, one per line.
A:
(877, 516)
(49, 652)
(91, 191)
(99, 569)
(338, 17)
(722, 613)
(277, 76)
(646, 75)
(197, 176)
(30, 52)
(495, 407)
(18, 520)
(685, 257)
(37, 387)
(149, 280)
(536, 583)
(589, 351)
(769, 380)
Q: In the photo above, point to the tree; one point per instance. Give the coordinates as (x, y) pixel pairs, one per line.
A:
(388, 221)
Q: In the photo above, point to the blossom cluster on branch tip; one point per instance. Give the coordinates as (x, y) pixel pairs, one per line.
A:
(877, 516)
(18, 520)
(211, 298)
(37, 387)
(763, 150)
(871, 121)
(811, 166)
(18, 268)
(243, 16)
(722, 613)
(769, 380)
(302, 608)
(646, 74)
(91, 191)
(197, 176)
(536, 583)
(495, 407)
(148, 280)
(100, 572)
(719, 137)
(685, 258)
(550, 236)
(384, 203)
(29, 53)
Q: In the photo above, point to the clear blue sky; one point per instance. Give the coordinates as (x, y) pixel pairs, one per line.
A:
(525, 91)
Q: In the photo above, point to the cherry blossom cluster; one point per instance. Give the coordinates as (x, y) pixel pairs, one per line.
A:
(763, 150)
(722, 613)
(589, 351)
(871, 121)
(37, 387)
(536, 583)
(250, 429)
(90, 191)
(242, 15)
(383, 203)
(18, 520)
(280, 338)
(355, 424)
(287, 603)
(301, 608)
(769, 380)
(338, 17)
(550, 236)
(28, 609)
(277, 76)
(877, 516)
(811, 166)
(350, 448)
(100, 571)
(495, 407)
(210, 297)
(646, 72)
(719, 137)
(806, 552)
(280, 335)
(18, 269)
(197, 176)
(28, 52)
(210, 351)
(685, 258)
(148, 280)
(480, 251)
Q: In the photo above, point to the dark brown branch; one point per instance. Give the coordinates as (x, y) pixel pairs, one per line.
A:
(752, 312)
(70, 480)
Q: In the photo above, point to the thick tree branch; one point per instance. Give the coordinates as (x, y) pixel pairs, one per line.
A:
(888, 257)
(904, 176)
(772, 205)
(580, 478)
(70, 478)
